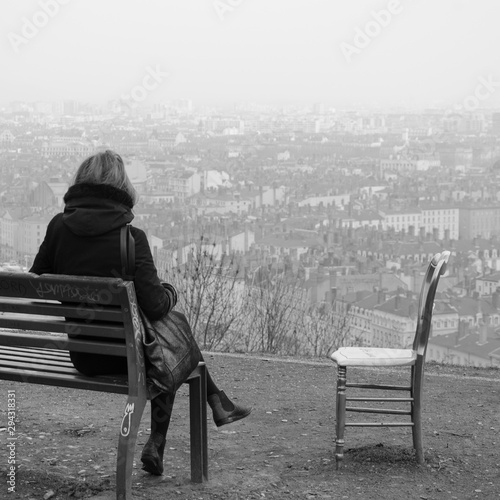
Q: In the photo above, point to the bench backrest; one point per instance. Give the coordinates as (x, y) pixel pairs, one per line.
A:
(93, 315)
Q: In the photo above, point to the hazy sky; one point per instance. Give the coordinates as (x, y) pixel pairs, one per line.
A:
(341, 52)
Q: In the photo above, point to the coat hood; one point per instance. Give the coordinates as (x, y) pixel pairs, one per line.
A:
(95, 209)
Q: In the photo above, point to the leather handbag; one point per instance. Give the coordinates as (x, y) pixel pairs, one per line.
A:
(170, 349)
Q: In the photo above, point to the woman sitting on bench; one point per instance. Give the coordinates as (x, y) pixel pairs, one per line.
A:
(84, 240)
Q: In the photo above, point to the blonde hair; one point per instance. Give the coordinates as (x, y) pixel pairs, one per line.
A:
(105, 168)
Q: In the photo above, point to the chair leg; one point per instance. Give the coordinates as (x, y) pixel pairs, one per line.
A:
(340, 414)
(126, 446)
(416, 414)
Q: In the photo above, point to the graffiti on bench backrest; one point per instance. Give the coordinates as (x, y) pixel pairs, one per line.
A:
(70, 292)
(13, 286)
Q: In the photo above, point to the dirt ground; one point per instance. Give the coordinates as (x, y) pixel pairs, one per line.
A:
(66, 445)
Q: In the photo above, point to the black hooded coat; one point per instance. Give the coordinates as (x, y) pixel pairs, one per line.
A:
(84, 240)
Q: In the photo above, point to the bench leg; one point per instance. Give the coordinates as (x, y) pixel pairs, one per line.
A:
(126, 446)
(203, 382)
(198, 427)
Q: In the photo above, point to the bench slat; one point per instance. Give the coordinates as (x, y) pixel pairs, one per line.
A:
(94, 312)
(39, 367)
(102, 384)
(17, 356)
(61, 358)
(37, 353)
(63, 343)
(61, 326)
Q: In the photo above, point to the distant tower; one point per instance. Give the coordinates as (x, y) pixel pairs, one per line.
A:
(406, 134)
(319, 108)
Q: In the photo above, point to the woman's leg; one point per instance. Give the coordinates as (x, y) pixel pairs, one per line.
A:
(161, 411)
(152, 454)
(223, 409)
(211, 386)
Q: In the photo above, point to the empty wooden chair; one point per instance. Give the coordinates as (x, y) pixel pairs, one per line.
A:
(386, 357)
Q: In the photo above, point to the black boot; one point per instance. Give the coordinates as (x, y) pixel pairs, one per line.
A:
(224, 410)
(152, 454)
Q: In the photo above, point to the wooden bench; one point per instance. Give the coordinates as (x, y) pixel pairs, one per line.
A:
(100, 309)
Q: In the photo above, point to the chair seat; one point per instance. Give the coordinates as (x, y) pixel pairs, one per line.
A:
(373, 356)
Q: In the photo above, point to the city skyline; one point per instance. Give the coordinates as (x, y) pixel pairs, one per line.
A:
(368, 54)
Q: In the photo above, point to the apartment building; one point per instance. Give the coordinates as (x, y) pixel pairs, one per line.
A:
(184, 184)
(394, 322)
(6, 137)
(401, 220)
(487, 284)
(441, 221)
(21, 236)
(31, 234)
(327, 201)
(479, 221)
(397, 165)
(64, 148)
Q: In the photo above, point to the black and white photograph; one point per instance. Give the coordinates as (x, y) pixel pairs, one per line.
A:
(250, 249)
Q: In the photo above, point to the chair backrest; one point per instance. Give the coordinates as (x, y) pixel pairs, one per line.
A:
(435, 270)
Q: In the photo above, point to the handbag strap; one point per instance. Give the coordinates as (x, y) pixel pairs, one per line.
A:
(127, 252)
